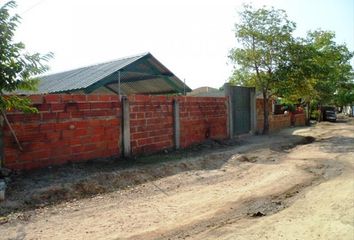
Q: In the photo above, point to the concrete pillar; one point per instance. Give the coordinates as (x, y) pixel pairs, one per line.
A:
(176, 124)
(253, 110)
(126, 127)
(228, 93)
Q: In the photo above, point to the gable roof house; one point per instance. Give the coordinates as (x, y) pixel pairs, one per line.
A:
(139, 74)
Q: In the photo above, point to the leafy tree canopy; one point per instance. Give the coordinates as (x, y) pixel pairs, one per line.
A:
(263, 36)
(268, 57)
(318, 69)
(17, 67)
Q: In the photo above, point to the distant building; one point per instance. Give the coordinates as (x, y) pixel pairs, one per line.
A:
(206, 92)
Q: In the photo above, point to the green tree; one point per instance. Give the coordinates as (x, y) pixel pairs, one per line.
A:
(344, 95)
(333, 69)
(17, 68)
(263, 36)
(318, 70)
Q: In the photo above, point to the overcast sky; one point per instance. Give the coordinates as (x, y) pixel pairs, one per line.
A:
(190, 37)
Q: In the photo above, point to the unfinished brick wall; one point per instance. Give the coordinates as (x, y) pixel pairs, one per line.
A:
(83, 127)
(67, 128)
(279, 121)
(151, 123)
(300, 119)
(202, 118)
(152, 127)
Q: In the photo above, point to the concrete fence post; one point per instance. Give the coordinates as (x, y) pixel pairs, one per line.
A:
(176, 124)
(126, 127)
(230, 122)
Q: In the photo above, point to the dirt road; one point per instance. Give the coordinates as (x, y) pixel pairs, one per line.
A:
(282, 186)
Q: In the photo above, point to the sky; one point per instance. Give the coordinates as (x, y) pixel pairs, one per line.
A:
(192, 38)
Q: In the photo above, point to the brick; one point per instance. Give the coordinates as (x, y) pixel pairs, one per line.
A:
(67, 134)
(71, 107)
(52, 98)
(43, 154)
(78, 115)
(66, 98)
(48, 116)
(144, 141)
(101, 105)
(141, 122)
(80, 132)
(15, 117)
(62, 126)
(91, 98)
(141, 98)
(32, 117)
(55, 107)
(42, 107)
(139, 135)
(83, 106)
(90, 147)
(104, 98)
(77, 149)
(36, 99)
(140, 115)
(64, 115)
(79, 98)
(53, 136)
(95, 113)
(116, 105)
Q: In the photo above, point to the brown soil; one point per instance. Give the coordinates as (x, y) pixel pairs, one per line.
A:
(297, 184)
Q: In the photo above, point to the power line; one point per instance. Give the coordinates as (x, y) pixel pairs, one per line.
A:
(33, 6)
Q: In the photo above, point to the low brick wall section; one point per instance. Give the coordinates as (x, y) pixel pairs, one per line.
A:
(202, 118)
(151, 123)
(67, 128)
(83, 127)
(276, 122)
(152, 126)
(279, 121)
(300, 119)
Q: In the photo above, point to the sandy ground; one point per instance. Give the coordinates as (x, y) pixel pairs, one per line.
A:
(270, 187)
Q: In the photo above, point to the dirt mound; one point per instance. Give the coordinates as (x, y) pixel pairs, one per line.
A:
(85, 180)
(105, 181)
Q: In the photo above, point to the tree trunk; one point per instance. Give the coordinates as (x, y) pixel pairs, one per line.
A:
(308, 113)
(265, 114)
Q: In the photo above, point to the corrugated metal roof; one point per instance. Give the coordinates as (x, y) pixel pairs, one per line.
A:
(82, 78)
(139, 74)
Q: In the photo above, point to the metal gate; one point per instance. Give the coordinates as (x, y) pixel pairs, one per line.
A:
(240, 109)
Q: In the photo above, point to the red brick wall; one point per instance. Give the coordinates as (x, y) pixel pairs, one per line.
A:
(67, 128)
(202, 118)
(151, 123)
(300, 119)
(279, 121)
(276, 122)
(83, 127)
